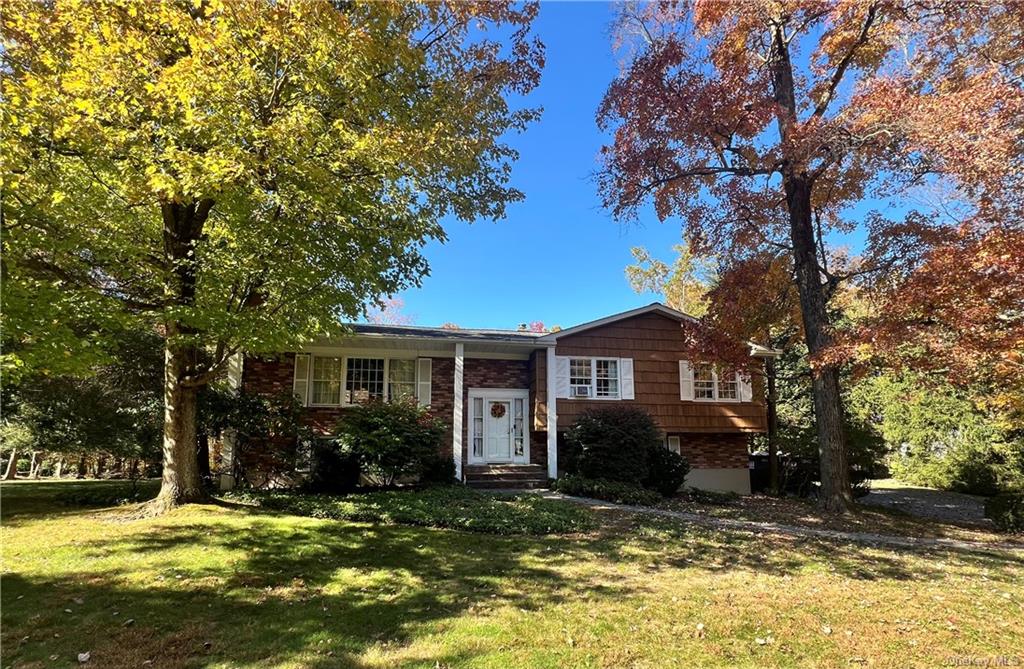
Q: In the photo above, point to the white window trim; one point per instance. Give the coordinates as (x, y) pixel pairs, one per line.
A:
(714, 386)
(344, 376)
(593, 378)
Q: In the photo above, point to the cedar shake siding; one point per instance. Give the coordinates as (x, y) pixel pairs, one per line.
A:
(655, 344)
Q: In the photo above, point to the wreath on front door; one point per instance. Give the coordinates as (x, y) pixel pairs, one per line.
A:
(498, 410)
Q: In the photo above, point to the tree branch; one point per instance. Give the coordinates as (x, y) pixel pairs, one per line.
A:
(844, 64)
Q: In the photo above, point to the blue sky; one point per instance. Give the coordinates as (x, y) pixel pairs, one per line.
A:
(558, 256)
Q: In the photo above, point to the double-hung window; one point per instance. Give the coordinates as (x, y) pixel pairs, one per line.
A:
(401, 379)
(327, 374)
(580, 377)
(606, 378)
(704, 382)
(364, 380)
(594, 377)
(708, 384)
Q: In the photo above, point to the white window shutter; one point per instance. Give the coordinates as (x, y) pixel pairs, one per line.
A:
(626, 378)
(423, 371)
(746, 391)
(685, 380)
(561, 376)
(300, 381)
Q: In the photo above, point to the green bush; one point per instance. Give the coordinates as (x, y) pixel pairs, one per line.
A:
(612, 491)
(438, 469)
(613, 443)
(392, 440)
(453, 507)
(666, 470)
(1006, 511)
(711, 497)
(939, 435)
(330, 469)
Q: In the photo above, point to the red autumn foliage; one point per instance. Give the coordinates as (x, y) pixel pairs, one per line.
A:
(762, 124)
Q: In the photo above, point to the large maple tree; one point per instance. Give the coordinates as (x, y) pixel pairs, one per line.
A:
(763, 124)
(239, 176)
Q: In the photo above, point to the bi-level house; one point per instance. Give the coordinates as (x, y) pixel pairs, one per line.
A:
(508, 396)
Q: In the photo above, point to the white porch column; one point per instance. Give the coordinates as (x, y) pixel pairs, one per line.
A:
(457, 426)
(552, 416)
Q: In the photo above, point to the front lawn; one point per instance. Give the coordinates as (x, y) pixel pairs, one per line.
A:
(234, 586)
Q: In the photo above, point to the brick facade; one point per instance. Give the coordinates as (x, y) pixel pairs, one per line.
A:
(714, 451)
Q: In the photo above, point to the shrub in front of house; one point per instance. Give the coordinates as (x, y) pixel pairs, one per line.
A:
(666, 470)
(331, 469)
(711, 497)
(392, 440)
(613, 443)
(618, 492)
(438, 469)
(1006, 510)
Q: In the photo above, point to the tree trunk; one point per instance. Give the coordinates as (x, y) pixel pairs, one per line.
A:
(12, 466)
(772, 402)
(33, 466)
(180, 484)
(836, 495)
(81, 467)
(58, 468)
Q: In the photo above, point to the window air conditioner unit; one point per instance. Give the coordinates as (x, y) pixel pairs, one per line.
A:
(581, 391)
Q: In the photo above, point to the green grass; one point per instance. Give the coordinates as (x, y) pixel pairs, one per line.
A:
(453, 507)
(224, 586)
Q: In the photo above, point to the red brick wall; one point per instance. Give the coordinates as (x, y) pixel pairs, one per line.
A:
(273, 375)
(714, 451)
(442, 397)
(487, 373)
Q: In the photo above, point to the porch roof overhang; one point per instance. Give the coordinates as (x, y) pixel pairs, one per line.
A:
(436, 342)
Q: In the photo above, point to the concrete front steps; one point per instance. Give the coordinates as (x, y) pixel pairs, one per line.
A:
(510, 477)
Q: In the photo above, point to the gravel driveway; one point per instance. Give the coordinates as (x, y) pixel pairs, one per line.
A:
(927, 502)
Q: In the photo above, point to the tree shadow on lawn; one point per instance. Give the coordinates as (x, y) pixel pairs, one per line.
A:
(24, 501)
(323, 587)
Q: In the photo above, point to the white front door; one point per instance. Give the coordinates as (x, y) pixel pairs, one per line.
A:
(498, 431)
(499, 426)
